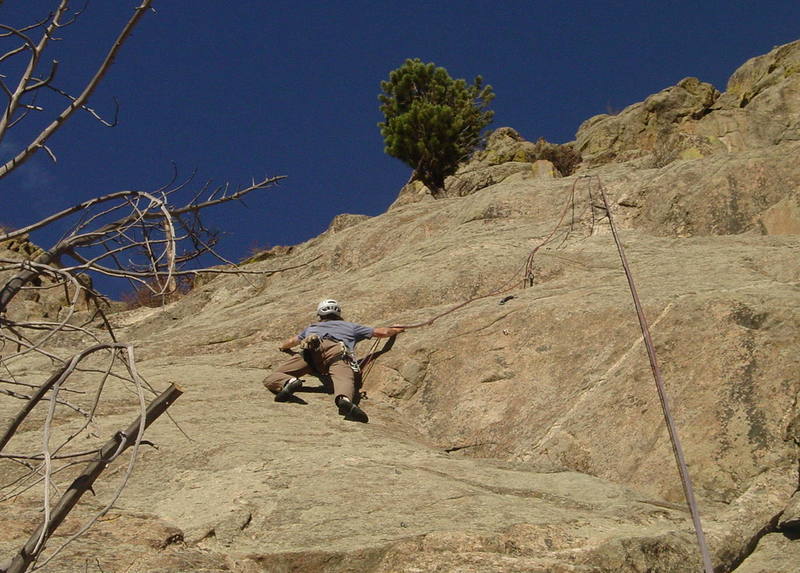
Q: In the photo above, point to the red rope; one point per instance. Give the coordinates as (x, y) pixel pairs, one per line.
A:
(365, 370)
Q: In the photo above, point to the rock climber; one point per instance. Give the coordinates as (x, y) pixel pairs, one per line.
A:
(328, 349)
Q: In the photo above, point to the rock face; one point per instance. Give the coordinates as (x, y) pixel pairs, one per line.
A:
(506, 434)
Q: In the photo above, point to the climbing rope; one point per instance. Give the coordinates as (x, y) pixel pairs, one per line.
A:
(526, 271)
(527, 280)
(368, 360)
(686, 480)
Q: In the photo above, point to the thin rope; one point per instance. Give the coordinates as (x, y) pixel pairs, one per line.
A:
(365, 371)
(662, 394)
(671, 427)
(526, 270)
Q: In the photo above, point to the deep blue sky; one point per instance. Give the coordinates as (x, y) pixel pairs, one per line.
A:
(250, 88)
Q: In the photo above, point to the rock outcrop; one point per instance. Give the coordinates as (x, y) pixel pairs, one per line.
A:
(656, 126)
(760, 108)
(44, 298)
(520, 431)
(506, 153)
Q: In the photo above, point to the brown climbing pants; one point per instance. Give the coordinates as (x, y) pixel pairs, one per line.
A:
(327, 361)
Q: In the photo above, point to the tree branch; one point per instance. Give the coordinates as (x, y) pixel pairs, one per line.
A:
(56, 378)
(78, 102)
(36, 52)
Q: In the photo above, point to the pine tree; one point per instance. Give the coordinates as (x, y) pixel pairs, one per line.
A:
(433, 122)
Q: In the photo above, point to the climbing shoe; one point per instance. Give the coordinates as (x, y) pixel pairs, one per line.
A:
(291, 386)
(350, 411)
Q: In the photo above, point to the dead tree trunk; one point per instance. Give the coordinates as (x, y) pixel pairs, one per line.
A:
(42, 391)
(112, 448)
(13, 286)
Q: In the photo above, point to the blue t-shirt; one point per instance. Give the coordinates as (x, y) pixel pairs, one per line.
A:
(348, 332)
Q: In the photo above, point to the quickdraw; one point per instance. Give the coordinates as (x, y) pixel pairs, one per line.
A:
(349, 358)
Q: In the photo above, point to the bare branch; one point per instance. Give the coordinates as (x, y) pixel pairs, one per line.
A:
(14, 52)
(78, 102)
(13, 31)
(38, 83)
(59, 376)
(66, 213)
(35, 54)
(27, 397)
(56, 457)
(50, 153)
(266, 182)
(86, 108)
(140, 236)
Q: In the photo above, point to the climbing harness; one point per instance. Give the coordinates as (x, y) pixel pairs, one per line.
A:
(311, 344)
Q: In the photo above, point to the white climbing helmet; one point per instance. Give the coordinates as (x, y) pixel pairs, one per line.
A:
(328, 307)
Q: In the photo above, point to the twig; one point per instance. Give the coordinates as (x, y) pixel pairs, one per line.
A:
(79, 101)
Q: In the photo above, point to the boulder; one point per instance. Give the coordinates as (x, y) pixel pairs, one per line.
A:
(775, 553)
(761, 106)
(505, 145)
(506, 154)
(344, 221)
(412, 192)
(468, 181)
